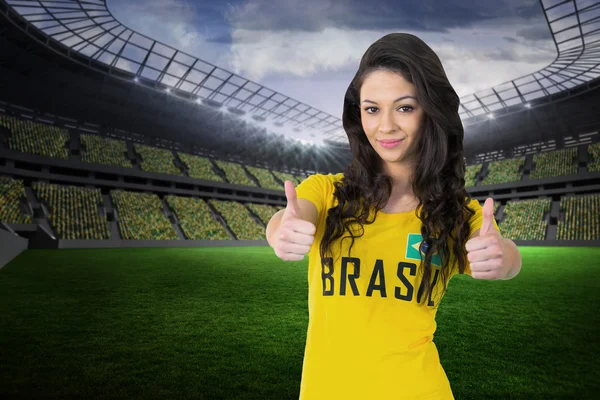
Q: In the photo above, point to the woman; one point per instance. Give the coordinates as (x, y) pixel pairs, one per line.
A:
(404, 208)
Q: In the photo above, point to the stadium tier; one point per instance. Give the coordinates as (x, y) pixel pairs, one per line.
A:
(12, 195)
(263, 211)
(471, 174)
(36, 138)
(235, 173)
(195, 219)
(141, 216)
(594, 151)
(504, 171)
(265, 178)
(555, 163)
(240, 220)
(199, 167)
(73, 211)
(525, 219)
(157, 160)
(100, 150)
(581, 218)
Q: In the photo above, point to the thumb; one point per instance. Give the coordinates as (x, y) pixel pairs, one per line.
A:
(488, 216)
(292, 200)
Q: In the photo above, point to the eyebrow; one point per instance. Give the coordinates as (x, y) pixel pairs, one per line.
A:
(398, 99)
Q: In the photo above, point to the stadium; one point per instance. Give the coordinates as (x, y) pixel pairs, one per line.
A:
(136, 183)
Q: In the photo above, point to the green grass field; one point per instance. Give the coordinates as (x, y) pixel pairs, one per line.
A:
(230, 323)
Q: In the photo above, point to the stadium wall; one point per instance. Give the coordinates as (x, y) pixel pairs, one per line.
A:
(11, 244)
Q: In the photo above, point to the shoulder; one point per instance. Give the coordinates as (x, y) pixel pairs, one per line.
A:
(327, 179)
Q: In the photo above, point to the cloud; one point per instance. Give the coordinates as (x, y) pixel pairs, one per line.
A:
(317, 15)
(182, 24)
(538, 32)
(310, 49)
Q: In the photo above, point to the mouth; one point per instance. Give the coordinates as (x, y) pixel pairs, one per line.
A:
(389, 144)
(388, 141)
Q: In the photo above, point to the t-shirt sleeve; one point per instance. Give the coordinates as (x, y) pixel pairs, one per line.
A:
(475, 223)
(317, 189)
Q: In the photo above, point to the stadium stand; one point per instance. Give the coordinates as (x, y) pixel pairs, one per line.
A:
(554, 163)
(156, 160)
(471, 174)
(101, 150)
(263, 211)
(581, 218)
(195, 219)
(141, 216)
(504, 171)
(284, 176)
(239, 220)
(12, 192)
(594, 151)
(525, 219)
(36, 138)
(199, 167)
(496, 205)
(74, 212)
(235, 173)
(265, 178)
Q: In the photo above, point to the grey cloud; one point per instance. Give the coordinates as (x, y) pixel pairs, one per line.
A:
(538, 32)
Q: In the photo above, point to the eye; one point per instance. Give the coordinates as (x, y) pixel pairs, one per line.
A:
(410, 108)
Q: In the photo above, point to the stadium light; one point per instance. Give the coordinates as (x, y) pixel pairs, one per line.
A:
(136, 79)
(198, 100)
(527, 105)
(491, 116)
(168, 90)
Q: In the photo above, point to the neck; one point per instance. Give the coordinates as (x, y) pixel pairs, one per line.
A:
(401, 179)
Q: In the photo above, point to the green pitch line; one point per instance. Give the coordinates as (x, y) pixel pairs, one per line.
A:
(230, 323)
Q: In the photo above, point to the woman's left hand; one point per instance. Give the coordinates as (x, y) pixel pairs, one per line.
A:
(487, 253)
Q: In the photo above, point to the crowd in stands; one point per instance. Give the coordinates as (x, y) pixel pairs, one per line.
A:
(36, 138)
(235, 173)
(264, 211)
(554, 163)
(141, 216)
(524, 219)
(12, 191)
(239, 220)
(195, 219)
(265, 178)
(594, 164)
(74, 212)
(155, 159)
(504, 171)
(284, 176)
(107, 151)
(471, 174)
(581, 218)
(199, 167)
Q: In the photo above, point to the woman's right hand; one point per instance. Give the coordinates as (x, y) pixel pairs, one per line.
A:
(294, 236)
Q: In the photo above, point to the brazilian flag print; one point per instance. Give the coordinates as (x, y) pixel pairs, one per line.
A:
(416, 245)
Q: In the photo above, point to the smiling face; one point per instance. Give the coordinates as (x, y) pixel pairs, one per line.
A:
(389, 110)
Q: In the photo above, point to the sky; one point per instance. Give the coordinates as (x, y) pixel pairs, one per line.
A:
(310, 49)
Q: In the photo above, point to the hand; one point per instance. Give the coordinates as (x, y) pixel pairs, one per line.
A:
(294, 236)
(487, 252)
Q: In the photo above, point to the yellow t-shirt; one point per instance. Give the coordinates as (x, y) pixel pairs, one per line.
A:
(367, 337)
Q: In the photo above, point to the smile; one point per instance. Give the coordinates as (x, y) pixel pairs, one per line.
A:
(389, 145)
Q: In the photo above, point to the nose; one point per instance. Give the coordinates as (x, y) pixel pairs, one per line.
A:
(387, 123)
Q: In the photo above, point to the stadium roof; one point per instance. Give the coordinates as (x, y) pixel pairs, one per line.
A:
(88, 28)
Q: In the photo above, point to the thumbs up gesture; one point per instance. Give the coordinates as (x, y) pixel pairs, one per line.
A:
(294, 236)
(487, 253)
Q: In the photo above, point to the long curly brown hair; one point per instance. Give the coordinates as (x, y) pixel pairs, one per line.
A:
(438, 179)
